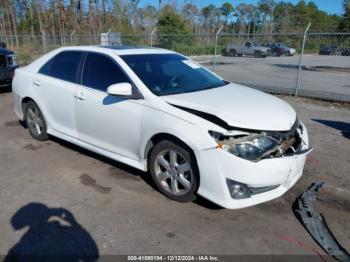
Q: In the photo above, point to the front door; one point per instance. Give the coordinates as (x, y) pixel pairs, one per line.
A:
(108, 122)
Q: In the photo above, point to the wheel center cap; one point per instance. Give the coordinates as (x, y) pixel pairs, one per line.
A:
(173, 172)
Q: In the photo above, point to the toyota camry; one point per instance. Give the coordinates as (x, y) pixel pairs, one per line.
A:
(163, 113)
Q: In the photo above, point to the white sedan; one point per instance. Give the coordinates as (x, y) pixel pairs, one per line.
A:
(159, 111)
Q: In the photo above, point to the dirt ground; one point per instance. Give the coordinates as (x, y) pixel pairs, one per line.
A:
(53, 193)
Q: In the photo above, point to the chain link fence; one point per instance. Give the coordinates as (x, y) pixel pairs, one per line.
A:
(270, 62)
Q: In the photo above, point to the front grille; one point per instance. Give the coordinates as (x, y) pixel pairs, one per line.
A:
(3, 61)
(9, 61)
(290, 141)
(285, 135)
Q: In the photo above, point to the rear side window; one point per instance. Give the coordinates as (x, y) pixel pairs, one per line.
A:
(64, 66)
(101, 71)
(45, 69)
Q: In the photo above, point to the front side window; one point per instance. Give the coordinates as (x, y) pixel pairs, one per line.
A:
(64, 66)
(167, 74)
(101, 71)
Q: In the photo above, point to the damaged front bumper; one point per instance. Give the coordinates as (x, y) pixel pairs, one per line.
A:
(316, 224)
(268, 178)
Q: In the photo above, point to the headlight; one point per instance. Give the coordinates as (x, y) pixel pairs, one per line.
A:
(11, 60)
(250, 147)
(14, 60)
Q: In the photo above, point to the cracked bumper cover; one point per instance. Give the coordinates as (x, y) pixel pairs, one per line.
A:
(217, 165)
(316, 224)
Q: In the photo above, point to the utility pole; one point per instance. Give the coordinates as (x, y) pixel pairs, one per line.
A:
(152, 33)
(301, 60)
(215, 46)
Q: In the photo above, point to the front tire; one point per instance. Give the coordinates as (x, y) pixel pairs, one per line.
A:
(35, 121)
(174, 171)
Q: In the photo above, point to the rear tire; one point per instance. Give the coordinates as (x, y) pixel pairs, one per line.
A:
(257, 54)
(174, 171)
(35, 121)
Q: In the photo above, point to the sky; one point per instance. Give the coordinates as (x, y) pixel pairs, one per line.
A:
(330, 6)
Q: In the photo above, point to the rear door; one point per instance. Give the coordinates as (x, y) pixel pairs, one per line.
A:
(56, 84)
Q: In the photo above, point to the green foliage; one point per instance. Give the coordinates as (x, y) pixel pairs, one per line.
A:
(173, 25)
(344, 24)
(226, 10)
(24, 57)
(171, 22)
(208, 13)
(193, 49)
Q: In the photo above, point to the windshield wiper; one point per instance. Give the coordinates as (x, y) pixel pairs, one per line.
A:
(194, 90)
(215, 86)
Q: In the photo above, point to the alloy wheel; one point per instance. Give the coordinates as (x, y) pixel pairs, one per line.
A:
(173, 172)
(34, 121)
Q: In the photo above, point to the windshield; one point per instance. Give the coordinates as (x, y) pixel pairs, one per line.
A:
(168, 74)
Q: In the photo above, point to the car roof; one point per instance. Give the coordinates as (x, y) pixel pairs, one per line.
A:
(120, 49)
(116, 50)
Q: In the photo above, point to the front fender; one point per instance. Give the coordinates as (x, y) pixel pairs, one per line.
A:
(159, 122)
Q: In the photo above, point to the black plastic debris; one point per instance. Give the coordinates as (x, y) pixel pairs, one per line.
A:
(316, 225)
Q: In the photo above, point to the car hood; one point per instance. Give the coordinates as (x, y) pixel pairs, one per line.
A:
(4, 51)
(239, 106)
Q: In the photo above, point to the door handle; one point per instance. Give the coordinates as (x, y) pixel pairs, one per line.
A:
(36, 83)
(80, 96)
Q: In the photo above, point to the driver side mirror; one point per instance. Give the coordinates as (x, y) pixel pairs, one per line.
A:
(124, 90)
(120, 89)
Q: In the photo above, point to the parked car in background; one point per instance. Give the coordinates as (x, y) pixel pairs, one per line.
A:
(288, 51)
(157, 110)
(345, 51)
(275, 49)
(329, 50)
(249, 48)
(8, 64)
(2, 45)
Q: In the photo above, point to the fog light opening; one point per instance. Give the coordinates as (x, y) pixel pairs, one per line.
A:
(241, 191)
(238, 190)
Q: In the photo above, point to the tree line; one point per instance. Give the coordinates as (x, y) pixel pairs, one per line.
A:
(91, 17)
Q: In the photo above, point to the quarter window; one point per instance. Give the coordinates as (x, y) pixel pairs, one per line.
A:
(101, 71)
(64, 66)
